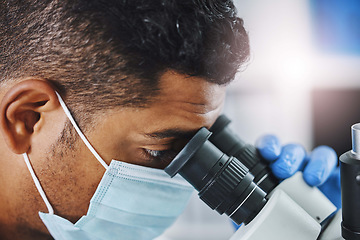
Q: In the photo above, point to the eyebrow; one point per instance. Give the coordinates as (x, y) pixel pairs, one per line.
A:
(171, 133)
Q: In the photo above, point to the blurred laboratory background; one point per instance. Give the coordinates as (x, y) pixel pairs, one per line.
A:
(302, 84)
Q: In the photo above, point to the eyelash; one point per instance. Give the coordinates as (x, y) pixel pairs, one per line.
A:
(156, 155)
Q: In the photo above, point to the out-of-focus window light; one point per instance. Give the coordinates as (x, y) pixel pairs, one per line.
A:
(296, 47)
(302, 43)
(336, 25)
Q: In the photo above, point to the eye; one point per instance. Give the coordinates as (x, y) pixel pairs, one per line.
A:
(164, 156)
(154, 153)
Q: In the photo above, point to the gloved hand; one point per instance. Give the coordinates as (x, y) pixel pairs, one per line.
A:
(319, 167)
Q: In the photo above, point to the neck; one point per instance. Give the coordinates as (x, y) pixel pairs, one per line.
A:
(17, 204)
(20, 232)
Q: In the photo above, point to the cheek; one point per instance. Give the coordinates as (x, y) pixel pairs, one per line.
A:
(112, 142)
(70, 177)
(134, 155)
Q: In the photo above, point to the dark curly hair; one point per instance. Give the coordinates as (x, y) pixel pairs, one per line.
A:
(112, 52)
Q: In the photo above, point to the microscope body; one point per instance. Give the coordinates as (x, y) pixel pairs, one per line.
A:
(294, 211)
(231, 178)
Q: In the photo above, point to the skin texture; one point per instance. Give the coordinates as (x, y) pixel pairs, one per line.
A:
(33, 121)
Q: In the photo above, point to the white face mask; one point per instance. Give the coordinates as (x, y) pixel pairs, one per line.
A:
(131, 202)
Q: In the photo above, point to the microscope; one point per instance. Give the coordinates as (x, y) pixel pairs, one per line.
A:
(232, 178)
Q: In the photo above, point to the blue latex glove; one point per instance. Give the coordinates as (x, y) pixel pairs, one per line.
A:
(319, 167)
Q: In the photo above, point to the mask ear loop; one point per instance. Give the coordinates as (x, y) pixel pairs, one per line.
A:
(82, 136)
(37, 183)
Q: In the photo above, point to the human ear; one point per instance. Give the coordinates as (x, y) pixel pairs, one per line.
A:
(22, 109)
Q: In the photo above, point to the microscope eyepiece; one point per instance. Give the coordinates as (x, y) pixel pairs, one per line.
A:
(223, 182)
(228, 142)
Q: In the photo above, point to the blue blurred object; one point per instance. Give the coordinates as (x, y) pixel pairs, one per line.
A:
(319, 166)
(269, 147)
(336, 25)
(290, 160)
(236, 226)
(322, 161)
(332, 188)
(284, 160)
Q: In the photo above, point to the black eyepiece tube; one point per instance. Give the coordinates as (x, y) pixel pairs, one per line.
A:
(228, 142)
(350, 188)
(223, 182)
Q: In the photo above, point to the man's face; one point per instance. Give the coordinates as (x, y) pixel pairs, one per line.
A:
(145, 136)
(152, 136)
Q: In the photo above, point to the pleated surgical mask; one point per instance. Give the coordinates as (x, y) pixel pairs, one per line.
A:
(130, 202)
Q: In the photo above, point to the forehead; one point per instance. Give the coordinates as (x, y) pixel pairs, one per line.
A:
(189, 97)
(183, 105)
